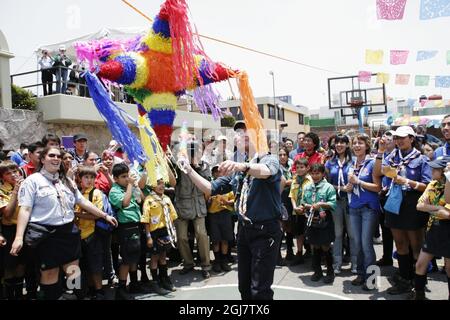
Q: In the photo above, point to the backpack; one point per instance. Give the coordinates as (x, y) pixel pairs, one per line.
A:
(100, 224)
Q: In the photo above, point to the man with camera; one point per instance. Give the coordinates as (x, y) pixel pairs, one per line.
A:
(191, 205)
(61, 62)
(46, 64)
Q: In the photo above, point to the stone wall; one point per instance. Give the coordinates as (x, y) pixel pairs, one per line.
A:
(18, 126)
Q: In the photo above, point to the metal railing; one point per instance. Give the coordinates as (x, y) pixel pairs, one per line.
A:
(76, 88)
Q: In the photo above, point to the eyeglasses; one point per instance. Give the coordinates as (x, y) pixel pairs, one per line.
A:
(53, 155)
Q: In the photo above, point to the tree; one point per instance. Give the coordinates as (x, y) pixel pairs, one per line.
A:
(22, 99)
(227, 121)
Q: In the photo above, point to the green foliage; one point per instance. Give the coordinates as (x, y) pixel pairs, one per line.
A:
(227, 121)
(22, 99)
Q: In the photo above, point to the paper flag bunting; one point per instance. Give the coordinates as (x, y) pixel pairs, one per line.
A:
(399, 56)
(374, 56)
(426, 54)
(390, 9)
(402, 79)
(365, 76)
(382, 77)
(431, 9)
(442, 82)
(421, 81)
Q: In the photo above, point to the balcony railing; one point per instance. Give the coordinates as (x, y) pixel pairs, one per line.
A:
(62, 83)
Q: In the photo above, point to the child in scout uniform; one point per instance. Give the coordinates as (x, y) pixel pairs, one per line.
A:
(158, 216)
(437, 239)
(318, 202)
(299, 182)
(220, 211)
(91, 262)
(121, 197)
(14, 266)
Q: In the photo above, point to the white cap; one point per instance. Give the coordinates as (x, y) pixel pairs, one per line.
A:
(62, 47)
(404, 131)
(221, 138)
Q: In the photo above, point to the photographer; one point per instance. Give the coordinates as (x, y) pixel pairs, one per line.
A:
(61, 62)
(46, 64)
(190, 204)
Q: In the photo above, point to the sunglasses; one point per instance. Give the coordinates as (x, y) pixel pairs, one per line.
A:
(53, 155)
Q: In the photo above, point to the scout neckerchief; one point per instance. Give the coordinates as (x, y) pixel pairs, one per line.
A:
(164, 202)
(358, 169)
(341, 181)
(445, 149)
(402, 163)
(55, 180)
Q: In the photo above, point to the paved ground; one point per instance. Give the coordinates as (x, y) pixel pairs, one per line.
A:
(292, 283)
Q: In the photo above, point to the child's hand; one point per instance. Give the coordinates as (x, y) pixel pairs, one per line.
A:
(132, 179)
(149, 242)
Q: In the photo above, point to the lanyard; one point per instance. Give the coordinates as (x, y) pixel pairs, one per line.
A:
(341, 181)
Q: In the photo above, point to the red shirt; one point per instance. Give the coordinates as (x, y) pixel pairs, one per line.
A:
(29, 168)
(315, 158)
(102, 183)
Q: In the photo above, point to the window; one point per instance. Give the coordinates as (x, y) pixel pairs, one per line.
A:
(271, 112)
(261, 110)
(301, 119)
(236, 112)
(280, 113)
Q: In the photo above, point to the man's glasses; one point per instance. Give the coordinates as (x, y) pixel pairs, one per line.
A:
(53, 155)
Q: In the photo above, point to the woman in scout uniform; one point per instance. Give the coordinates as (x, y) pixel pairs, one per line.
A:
(407, 168)
(318, 202)
(437, 239)
(158, 216)
(337, 170)
(364, 180)
(299, 182)
(14, 267)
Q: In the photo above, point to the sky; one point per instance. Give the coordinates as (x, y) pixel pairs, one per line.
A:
(328, 34)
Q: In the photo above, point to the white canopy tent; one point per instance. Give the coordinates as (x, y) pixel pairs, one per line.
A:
(123, 33)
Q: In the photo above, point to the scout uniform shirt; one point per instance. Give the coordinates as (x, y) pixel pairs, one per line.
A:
(87, 226)
(215, 206)
(298, 188)
(5, 197)
(153, 212)
(320, 192)
(434, 195)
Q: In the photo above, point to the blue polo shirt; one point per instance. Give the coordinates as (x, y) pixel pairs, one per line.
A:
(366, 197)
(264, 195)
(332, 167)
(439, 152)
(416, 170)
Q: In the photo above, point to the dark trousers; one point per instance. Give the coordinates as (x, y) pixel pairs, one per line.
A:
(257, 249)
(388, 240)
(47, 81)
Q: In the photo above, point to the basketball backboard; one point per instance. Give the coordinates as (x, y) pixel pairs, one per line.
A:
(350, 95)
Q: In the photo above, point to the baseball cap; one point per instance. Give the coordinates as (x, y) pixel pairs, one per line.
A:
(404, 131)
(239, 125)
(62, 47)
(439, 162)
(220, 138)
(79, 136)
